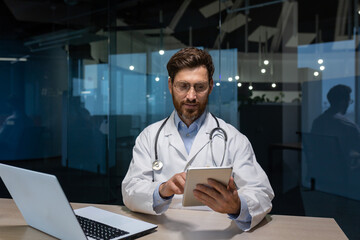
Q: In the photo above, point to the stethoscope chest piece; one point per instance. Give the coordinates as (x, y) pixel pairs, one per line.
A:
(157, 165)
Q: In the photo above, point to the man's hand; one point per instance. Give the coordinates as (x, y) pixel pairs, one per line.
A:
(174, 185)
(220, 198)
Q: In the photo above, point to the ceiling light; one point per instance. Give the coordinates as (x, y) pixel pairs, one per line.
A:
(266, 62)
(157, 79)
(273, 85)
(263, 70)
(161, 52)
(60, 38)
(320, 61)
(239, 84)
(230, 79)
(322, 68)
(217, 84)
(237, 77)
(131, 67)
(250, 87)
(316, 73)
(6, 59)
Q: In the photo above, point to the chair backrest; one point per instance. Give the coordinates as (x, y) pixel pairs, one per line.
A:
(325, 162)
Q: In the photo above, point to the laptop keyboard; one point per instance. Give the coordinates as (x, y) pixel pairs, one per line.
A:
(98, 230)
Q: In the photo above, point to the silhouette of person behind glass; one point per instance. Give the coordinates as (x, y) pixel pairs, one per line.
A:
(12, 129)
(333, 122)
(86, 149)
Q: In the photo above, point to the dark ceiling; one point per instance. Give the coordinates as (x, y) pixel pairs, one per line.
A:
(23, 19)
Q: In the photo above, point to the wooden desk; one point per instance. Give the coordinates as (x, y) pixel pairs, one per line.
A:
(188, 224)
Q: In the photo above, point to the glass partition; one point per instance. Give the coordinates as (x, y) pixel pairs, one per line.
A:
(81, 79)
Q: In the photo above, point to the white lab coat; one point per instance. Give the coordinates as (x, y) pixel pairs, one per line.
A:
(138, 185)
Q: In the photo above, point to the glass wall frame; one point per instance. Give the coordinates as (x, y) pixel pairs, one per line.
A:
(84, 78)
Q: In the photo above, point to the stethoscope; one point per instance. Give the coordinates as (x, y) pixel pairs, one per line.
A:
(218, 131)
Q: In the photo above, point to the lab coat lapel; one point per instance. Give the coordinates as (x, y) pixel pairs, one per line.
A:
(175, 140)
(202, 137)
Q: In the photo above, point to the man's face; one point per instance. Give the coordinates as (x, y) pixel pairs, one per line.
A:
(190, 92)
(345, 104)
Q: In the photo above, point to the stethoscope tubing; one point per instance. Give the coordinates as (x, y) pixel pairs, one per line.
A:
(157, 165)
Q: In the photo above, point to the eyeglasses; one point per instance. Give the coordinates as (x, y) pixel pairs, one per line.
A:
(184, 87)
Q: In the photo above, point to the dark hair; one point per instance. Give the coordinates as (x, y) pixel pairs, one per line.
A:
(338, 93)
(190, 58)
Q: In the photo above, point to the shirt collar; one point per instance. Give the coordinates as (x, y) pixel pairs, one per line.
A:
(198, 122)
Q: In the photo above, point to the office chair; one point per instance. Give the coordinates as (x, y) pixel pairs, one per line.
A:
(327, 166)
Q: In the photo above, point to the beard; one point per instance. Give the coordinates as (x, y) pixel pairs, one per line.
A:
(189, 114)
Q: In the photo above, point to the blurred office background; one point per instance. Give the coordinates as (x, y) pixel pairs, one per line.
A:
(80, 79)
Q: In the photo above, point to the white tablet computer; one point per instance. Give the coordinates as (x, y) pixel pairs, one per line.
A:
(197, 175)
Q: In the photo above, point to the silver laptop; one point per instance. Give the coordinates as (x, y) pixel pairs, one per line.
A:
(45, 207)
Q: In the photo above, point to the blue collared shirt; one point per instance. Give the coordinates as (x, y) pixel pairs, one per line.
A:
(188, 134)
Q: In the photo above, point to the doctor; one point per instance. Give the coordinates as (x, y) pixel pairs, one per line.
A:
(164, 150)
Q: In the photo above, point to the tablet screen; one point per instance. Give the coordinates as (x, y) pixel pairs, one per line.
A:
(196, 176)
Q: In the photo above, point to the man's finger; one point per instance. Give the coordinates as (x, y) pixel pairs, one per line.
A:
(208, 190)
(218, 186)
(180, 186)
(208, 201)
(232, 185)
(180, 180)
(175, 188)
(183, 175)
(204, 198)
